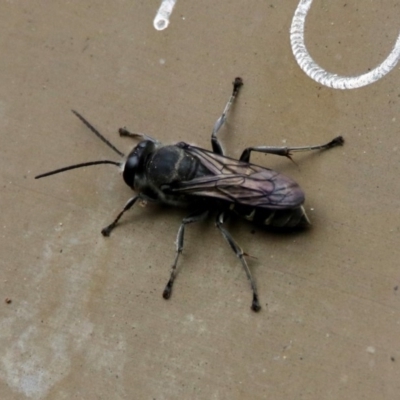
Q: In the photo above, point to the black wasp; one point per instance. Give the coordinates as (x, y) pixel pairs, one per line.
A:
(208, 181)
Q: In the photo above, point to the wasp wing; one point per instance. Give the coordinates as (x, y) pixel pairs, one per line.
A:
(240, 182)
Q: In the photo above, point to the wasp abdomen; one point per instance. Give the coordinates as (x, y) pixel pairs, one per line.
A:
(286, 218)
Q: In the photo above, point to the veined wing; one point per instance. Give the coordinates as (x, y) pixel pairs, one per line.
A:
(240, 182)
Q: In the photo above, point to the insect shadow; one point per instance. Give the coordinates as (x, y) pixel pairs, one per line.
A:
(208, 181)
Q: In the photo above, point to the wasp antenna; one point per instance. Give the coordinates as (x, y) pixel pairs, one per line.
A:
(86, 164)
(97, 133)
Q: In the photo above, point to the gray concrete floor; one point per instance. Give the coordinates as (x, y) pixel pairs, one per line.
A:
(86, 318)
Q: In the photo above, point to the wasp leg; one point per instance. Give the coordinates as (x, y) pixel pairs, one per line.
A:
(197, 216)
(216, 146)
(287, 151)
(107, 230)
(125, 132)
(255, 306)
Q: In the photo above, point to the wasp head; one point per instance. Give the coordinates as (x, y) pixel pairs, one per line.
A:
(136, 161)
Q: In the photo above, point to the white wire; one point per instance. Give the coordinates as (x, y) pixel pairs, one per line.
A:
(314, 71)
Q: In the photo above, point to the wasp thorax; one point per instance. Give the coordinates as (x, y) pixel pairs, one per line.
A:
(170, 164)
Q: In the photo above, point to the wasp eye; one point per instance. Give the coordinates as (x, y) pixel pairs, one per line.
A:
(130, 168)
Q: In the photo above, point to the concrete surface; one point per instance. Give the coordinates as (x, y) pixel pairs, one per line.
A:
(86, 318)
